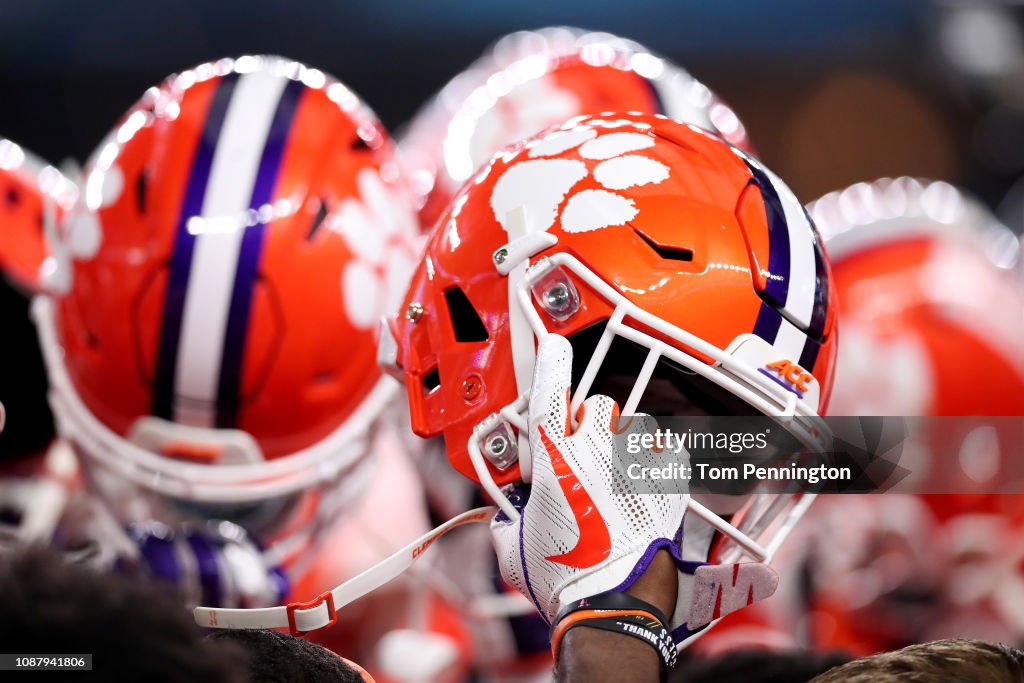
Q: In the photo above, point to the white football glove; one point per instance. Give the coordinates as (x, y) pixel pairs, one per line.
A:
(586, 528)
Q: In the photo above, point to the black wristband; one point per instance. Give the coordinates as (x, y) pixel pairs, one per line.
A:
(619, 613)
(611, 600)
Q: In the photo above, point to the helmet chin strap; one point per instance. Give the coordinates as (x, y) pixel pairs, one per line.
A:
(303, 617)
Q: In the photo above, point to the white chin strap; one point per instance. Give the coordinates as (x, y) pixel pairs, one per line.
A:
(320, 612)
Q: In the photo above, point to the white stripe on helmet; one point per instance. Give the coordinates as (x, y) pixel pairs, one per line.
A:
(218, 240)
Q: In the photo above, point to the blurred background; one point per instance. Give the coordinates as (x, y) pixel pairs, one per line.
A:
(831, 92)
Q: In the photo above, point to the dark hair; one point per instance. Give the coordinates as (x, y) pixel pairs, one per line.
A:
(276, 657)
(943, 661)
(757, 666)
(133, 631)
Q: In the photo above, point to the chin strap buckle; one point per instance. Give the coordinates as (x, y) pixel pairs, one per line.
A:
(326, 598)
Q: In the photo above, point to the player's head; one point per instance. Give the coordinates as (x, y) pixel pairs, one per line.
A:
(275, 657)
(941, 661)
(932, 314)
(530, 80)
(686, 275)
(210, 319)
(132, 631)
(755, 665)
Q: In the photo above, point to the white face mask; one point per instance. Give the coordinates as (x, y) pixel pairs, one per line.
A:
(768, 519)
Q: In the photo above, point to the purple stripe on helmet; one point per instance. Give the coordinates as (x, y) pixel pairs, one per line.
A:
(184, 242)
(768, 323)
(229, 384)
(777, 286)
(809, 356)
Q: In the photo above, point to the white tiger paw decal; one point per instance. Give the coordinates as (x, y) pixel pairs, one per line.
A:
(540, 184)
(378, 228)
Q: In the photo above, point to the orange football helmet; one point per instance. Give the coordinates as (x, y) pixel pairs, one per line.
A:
(932, 314)
(649, 243)
(210, 322)
(531, 80)
(27, 186)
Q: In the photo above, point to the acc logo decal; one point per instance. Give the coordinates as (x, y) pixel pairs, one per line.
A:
(792, 373)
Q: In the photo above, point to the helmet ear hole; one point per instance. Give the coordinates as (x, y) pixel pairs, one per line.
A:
(466, 323)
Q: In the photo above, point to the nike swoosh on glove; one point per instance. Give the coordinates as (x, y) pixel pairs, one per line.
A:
(584, 526)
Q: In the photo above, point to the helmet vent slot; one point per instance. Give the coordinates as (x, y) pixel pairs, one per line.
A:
(318, 219)
(140, 191)
(466, 323)
(667, 253)
(12, 197)
(432, 380)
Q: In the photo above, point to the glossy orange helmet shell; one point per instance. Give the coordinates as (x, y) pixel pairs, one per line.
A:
(658, 230)
(217, 292)
(530, 80)
(932, 312)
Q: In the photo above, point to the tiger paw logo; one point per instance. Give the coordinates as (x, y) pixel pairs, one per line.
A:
(377, 227)
(543, 185)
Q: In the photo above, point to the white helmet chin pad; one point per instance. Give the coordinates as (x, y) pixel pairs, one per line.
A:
(213, 446)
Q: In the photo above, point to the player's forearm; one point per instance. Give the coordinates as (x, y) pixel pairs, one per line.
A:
(595, 656)
(589, 655)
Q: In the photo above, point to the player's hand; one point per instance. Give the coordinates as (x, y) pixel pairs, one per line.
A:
(587, 528)
(584, 527)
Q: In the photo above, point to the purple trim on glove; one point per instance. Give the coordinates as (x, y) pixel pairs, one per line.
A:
(644, 562)
(526, 572)
(690, 566)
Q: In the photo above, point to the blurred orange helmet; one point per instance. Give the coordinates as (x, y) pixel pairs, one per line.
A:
(665, 255)
(30, 188)
(210, 322)
(932, 314)
(531, 80)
